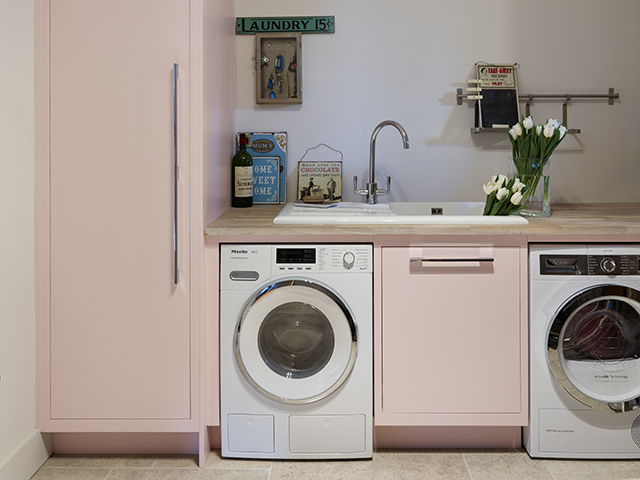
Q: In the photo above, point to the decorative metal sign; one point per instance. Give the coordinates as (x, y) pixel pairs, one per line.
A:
(248, 25)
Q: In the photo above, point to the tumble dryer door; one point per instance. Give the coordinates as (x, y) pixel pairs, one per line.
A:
(295, 341)
(594, 347)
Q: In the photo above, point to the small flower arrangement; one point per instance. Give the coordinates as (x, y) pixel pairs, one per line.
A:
(504, 195)
(532, 145)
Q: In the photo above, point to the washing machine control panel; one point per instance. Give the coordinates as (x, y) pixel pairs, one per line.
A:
(323, 258)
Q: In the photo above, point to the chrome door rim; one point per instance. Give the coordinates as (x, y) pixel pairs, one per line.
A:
(561, 318)
(296, 282)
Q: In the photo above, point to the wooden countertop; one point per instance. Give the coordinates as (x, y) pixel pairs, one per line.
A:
(566, 220)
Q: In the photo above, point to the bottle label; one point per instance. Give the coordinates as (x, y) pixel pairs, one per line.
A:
(244, 181)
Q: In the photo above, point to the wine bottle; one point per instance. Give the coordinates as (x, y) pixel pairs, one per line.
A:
(242, 176)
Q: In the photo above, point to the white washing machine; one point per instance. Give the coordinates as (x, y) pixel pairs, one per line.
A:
(296, 351)
(584, 351)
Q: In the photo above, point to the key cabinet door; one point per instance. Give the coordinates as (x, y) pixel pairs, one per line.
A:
(453, 337)
(117, 344)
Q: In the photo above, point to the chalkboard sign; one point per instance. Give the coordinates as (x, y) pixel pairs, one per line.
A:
(499, 105)
(499, 108)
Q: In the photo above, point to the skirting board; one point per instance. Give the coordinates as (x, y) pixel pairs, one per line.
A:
(28, 457)
(447, 437)
(125, 443)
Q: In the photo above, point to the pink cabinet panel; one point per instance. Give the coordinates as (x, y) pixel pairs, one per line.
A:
(451, 335)
(118, 332)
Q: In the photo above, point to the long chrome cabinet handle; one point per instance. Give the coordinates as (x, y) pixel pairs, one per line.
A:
(175, 173)
(450, 260)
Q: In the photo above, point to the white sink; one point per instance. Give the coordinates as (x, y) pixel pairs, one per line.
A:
(399, 213)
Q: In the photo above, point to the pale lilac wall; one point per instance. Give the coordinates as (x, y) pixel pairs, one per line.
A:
(19, 449)
(404, 60)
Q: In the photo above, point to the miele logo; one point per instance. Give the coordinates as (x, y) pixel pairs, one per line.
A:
(239, 252)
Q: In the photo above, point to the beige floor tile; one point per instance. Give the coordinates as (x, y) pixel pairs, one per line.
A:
(385, 465)
(71, 474)
(231, 474)
(216, 460)
(594, 469)
(176, 461)
(153, 474)
(432, 464)
(504, 464)
(326, 469)
(101, 461)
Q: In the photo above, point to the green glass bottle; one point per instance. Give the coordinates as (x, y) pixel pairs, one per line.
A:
(242, 176)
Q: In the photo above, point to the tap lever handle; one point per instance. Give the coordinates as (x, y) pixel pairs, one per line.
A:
(355, 187)
(388, 189)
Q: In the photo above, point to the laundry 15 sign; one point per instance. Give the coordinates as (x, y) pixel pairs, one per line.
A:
(248, 25)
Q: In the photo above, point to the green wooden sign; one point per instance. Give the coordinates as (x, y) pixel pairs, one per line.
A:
(248, 25)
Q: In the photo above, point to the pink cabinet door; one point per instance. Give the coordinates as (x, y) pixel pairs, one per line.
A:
(119, 333)
(451, 334)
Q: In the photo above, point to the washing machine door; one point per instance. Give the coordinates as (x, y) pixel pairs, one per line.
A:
(296, 341)
(594, 347)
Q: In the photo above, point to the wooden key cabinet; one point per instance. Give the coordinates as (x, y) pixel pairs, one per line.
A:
(278, 68)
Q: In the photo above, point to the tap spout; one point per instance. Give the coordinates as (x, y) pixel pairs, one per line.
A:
(372, 145)
(372, 191)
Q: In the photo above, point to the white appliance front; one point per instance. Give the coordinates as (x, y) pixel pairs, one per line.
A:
(296, 351)
(584, 333)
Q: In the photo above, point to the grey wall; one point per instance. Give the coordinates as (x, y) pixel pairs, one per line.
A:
(404, 60)
(17, 314)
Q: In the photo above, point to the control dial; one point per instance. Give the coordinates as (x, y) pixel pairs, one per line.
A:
(348, 259)
(608, 265)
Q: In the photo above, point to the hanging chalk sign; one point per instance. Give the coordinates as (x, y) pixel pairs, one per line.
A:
(248, 25)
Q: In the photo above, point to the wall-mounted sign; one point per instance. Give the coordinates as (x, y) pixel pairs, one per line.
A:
(498, 102)
(248, 25)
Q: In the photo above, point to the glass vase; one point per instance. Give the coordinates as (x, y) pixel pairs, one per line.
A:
(535, 174)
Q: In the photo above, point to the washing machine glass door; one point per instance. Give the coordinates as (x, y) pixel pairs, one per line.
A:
(295, 341)
(594, 347)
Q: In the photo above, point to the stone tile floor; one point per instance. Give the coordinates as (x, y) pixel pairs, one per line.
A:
(386, 464)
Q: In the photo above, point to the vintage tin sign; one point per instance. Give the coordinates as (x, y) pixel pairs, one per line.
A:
(269, 152)
(249, 25)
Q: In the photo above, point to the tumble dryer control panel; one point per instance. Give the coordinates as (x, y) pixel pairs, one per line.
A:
(595, 261)
(322, 258)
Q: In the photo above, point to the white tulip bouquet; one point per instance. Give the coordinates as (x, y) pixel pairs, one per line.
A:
(504, 195)
(532, 145)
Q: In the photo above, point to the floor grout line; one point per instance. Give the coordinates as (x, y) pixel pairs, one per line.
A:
(544, 462)
(466, 464)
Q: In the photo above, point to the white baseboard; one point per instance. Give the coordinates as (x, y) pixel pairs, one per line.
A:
(28, 457)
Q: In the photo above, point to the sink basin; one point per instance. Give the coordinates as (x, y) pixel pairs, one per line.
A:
(398, 213)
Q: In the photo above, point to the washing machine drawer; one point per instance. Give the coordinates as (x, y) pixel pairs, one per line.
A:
(251, 433)
(327, 434)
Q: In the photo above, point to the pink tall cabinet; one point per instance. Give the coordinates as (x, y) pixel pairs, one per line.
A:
(121, 114)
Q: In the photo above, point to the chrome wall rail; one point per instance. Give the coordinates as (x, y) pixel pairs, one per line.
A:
(529, 97)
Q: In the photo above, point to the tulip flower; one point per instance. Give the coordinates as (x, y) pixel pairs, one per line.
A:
(504, 195)
(517, 129)
(517, 186)
(490, 187)
(501, 193)
(527, 123)
(516, 198)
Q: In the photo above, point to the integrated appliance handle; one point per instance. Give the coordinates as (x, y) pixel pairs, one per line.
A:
(451, 260)
(175, 174)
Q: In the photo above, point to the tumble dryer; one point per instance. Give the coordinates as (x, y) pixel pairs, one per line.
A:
(296, 361)
(584, 331)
